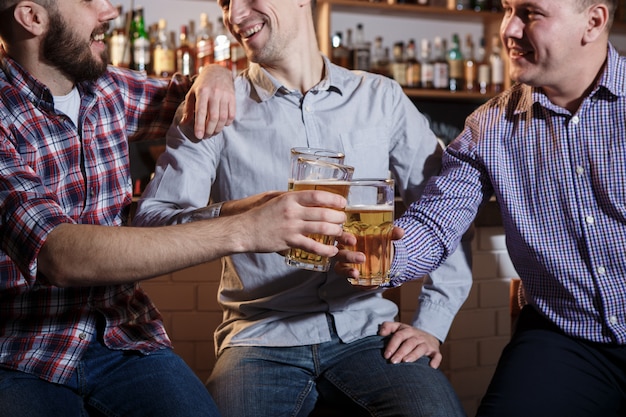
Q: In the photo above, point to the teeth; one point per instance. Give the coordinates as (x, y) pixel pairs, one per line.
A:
(99, 37)
(252, 31)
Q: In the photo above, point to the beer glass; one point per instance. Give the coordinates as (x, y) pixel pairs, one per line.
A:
(320, 154)
(311, 174)
(369, 215)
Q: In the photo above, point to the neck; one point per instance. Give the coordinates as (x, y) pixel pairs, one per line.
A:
(58, 83)
(301, 66)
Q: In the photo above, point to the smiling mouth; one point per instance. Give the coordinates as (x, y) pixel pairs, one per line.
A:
(99, 37)
(518, 53)
(251, 31)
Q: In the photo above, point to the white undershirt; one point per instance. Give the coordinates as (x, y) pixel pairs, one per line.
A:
(69, 104)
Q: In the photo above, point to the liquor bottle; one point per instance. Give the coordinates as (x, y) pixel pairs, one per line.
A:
(222, 46)
(340, 55)
(361, 53)
(398, 63)
(413, 67)
(238, 57)
(204, 44)
(140, 43)
(441, 68)
(119, 45)
(164, 52)
(470, 67)
(426, 65)
(455, 64)
(380, 58)
(480, 5)
(496, 64)
(185, 55)
(484, 68)
(350, 46)
(458, 4)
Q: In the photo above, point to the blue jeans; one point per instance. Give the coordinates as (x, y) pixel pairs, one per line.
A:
(544, 373)
(113, 384)
(288, 381)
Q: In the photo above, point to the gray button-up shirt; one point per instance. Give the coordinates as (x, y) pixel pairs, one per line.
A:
(366, 116)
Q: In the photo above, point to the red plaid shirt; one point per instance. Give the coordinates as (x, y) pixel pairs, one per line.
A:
(54, 172)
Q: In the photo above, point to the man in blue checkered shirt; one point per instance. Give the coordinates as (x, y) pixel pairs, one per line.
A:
(552, 150)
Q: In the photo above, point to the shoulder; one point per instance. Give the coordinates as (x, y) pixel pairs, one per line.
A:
(124, 80)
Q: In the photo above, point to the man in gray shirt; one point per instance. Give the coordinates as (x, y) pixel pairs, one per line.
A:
(290, 337)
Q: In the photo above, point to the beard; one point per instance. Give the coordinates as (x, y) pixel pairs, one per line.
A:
(70, 54)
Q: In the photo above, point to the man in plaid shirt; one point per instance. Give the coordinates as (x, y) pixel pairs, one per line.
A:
(77, 334)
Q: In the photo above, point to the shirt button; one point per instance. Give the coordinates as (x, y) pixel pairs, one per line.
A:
(575, 120)
(82, 336)
(589, 219)
(613, 320)
(601, 270)
(580, 170)
(308, 109)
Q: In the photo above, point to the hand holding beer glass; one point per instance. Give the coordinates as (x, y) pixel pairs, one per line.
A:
(369, 215)
(311, 174)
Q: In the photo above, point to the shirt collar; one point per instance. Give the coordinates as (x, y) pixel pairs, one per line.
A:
(611, 81)
(267, 86)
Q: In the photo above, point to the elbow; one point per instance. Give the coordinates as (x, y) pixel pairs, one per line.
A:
(52, 272)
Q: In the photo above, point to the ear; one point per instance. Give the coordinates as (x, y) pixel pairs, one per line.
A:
(597, 22)
(31, 16)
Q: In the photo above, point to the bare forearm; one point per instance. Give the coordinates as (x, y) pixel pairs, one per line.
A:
(86, 255)
(83, 255)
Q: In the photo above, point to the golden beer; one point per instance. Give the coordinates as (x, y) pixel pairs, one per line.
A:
(302, 258)
(372, 226)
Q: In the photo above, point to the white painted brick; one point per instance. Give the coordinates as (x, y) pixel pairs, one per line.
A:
(484, 265)
(494, 293)
(470, 324)
(505, 266)
(463, 354)
(491, 238)
(503, 317)
(472, 299)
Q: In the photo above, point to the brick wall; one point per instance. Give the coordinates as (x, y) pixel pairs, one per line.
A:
(187, 300)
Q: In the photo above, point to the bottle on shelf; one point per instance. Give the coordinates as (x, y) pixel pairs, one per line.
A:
(119, 44)
(204, 44)
(398, 63)
(140, 43)
(455, 64)
(238, 57)
(496, 64)
(222, 46)
(427, 68)
(441, 68)
(470, 66)
(480, 5)
(349, 44)
(413, 67)
(340, 54)
(458, 4)
(362, 50)
(380, 58)
(185, 54)
(164, 55)
(483, 77)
